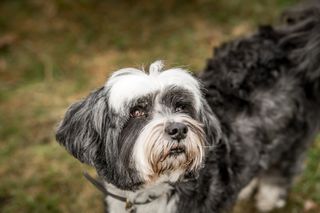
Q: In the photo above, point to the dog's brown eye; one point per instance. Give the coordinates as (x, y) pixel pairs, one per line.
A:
(137, 112)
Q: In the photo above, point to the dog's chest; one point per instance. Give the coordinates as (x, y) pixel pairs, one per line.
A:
(162, 201)
(160, 205)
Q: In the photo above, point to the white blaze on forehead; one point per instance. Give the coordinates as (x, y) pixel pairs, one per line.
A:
(130, 83)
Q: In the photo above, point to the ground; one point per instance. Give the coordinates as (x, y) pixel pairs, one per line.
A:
(54, 52)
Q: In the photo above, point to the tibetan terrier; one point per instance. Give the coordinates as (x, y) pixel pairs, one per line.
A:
(167, 141)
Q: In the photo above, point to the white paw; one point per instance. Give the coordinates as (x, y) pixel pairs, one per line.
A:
(270, 197)
(247, 191)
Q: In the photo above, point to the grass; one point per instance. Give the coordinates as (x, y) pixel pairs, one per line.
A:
(54, 52)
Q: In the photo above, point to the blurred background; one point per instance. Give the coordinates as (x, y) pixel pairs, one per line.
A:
(54, 52)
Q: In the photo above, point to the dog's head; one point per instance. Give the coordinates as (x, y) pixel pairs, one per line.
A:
(141, 128)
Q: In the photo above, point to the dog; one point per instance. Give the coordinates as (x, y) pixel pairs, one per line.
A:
(169, 141)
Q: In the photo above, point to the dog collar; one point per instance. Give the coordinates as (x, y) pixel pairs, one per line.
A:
(130, 206)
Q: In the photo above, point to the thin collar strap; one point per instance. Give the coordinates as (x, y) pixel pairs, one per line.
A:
(101, 187)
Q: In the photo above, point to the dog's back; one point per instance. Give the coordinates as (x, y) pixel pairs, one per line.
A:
(242, 66)
(265, 89)
(273, 74)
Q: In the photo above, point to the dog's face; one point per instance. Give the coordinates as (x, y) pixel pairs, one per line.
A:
(141, 128)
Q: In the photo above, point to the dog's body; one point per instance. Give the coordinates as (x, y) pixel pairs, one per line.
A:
(157, 138)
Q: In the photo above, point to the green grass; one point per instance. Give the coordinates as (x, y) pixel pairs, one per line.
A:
(59, 50)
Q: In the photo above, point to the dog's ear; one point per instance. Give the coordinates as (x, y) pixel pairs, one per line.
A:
(211, 123)
(82, 129)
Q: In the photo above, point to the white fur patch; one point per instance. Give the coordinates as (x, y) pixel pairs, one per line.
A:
(159, 205)
(130, 83)
(270, 197)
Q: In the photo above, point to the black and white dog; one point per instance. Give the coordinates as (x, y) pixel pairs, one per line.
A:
(166, 141)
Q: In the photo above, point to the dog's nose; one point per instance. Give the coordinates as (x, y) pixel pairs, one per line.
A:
(176, 131)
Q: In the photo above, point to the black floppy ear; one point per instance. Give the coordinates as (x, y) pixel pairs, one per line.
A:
(211, 123)
(81, 130)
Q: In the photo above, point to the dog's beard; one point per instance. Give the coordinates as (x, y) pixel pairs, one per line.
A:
(156, 153)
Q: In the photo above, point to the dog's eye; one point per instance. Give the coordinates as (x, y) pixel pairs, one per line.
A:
(180, 108)
(137, 112)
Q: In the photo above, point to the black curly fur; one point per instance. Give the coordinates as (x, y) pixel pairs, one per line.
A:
(265, 91)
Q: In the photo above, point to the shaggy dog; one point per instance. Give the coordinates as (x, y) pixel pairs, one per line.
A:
(164, 142)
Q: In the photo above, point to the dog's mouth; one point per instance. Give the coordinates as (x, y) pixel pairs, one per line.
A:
(177, 150)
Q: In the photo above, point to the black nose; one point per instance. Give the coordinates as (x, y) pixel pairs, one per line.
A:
(176, 131)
